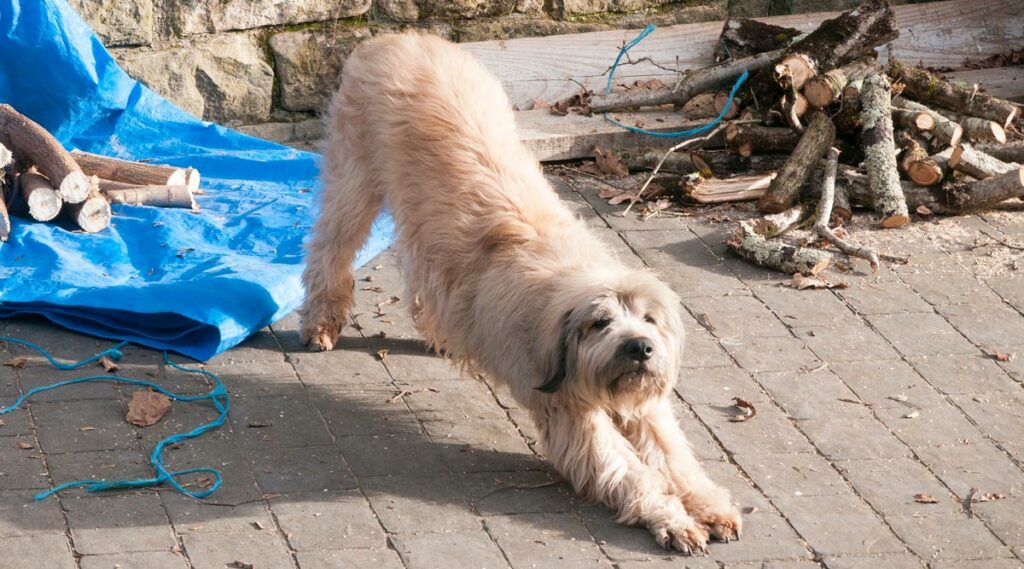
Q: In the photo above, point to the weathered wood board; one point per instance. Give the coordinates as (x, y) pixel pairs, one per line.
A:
(1003, 82)
(939, 34)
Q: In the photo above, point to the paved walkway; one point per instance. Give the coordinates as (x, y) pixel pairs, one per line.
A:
(866, 397)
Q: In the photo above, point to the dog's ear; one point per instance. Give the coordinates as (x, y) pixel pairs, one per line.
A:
(554, 383)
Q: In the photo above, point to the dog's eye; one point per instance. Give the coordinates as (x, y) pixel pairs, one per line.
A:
(649, 319)
(601, 324)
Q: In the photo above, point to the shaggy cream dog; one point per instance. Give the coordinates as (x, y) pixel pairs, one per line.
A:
(508, 281)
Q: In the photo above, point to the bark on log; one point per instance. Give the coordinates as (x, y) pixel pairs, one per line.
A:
(689, 86)
(841, 208)
(39, 196)
(824, 213)
(750, 139)
(965, 158)
(742, 37)
(138, 173)
(951, 198)
(152, 195)
(5, 218)
(785, 188)
(917, 121)
(32, 144)
(1009, 152)
(945, 131)
(707, 163)
(915, 162)
(977, 129)
(879, 152)
(827, 88)
(848, 119)
(753, 241)
(931, 89)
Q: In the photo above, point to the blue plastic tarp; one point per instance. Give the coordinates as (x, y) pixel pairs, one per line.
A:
(196, 284)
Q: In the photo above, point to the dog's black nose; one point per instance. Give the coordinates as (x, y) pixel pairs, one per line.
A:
(639, 349)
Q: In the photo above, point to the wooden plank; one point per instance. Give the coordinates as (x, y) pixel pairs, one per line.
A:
(939, 34)
(1004, 82)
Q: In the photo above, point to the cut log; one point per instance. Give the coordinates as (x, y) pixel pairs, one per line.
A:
(824, 213)
(138, 173)
(879, 151)
(718, 190)
(841, 208)
(750, 139)
(742, 37)
(915, 162)
(91, 215)
(690, 85)
(917, 121)
(707, 163)
(722, 100)
(153, 195)
(785, 188)
(977, 164)
(32, 144)
(848, 119)
(954, 197)
(825, 89)
(977, 129)
(39, 196)
(944, 130)
(753, 241)
(1009, 152)
(932, 89)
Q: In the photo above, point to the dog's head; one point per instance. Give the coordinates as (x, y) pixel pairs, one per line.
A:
(613, 336)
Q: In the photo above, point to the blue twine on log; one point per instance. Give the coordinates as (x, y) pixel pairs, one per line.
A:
(678, 134)
(218, 396)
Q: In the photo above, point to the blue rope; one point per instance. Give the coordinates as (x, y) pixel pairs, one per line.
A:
(218, 396)
(681, 133)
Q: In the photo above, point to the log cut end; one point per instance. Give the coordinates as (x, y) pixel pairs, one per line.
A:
(75, 188)
(721, 101)
(192, 179)
(795, 69)
(924, 172)
(93, 214)
(894, 221)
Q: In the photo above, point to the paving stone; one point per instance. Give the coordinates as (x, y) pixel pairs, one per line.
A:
(365, 410)
(49, 551)
(989, 325)
(838, 524)
(459, 549)
(328, 520)
(921, 334)
(259, 378)
(193, 516)
(16, 424)
(98, 465)
(218, 550)
(793, 474)
(964, 374)
(717, 386)
(942, 425)
(382, 455)
(771, 432)
(890, 484)
(766, 535)
(477, 446)
(39, 373)
(433, 503)
(886, 383)
(703, 444)
(671, 246)
(619, 542)
(137, 560)
(77, 426)
(978, 465)
(670, 563)
(947, 537)
(184, 417)
(454, 400)
(20, 468)
(979, 564)
(589, 190)
(1003, 518)
(529, 540)
(812, 395)
(776, 565)
(233, 462)
(702, 349)
(310, 469)
(526, 492)
(743, 317)
(800, 309)
(890, 561)
(348, 558)
(20, 514)
(1010, 289)
(772, 353)
(352, 362)
(891, 297)
(845, 342)
(955, 287)
(278, 422)
(615, 243)
(841, 438)
(118, 523)
(1000, 415)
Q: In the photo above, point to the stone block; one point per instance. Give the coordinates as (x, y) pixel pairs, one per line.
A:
(309, 62)
(189, 18)
(118, 22)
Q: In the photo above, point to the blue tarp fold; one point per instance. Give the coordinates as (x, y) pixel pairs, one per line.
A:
(196, 284)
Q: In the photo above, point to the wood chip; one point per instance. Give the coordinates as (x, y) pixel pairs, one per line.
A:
(925, 499)
(2, 422)
(17, 363)
(382, 354)
(147, 408)
(86, 429)
(978, 498)
(240, 565)
(108, 364)
(1001, 356)
(259, 525)
(912, 415)
(747, 410)
(373, 288)
(25, 446)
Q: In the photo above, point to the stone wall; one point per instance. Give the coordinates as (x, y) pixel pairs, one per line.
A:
(269, 66)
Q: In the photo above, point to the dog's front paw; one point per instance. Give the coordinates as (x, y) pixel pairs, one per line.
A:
(679, 532)
(724, 525)
(319, 336)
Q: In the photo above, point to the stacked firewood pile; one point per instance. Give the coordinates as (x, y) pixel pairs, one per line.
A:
(41, 180)
(822, 127)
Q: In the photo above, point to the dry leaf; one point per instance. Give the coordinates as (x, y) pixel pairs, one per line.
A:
(2, 422)
(925, 499)
(923, 211)
(17, 363)
(25, 446)
(747, 410)
(240, 565)
(147, 408)
(373, 288)
(653, 208)
(382, 354)
(381, 305)
(609, 163)
(205, 481)
(621, 197)
(108, 364)
(988, 497)
(705, 321)
(1002, 357)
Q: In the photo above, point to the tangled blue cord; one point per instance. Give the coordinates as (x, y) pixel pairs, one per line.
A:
(218, 396)
(681, 133)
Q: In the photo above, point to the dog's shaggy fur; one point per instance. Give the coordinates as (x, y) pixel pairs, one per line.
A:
(506, 280)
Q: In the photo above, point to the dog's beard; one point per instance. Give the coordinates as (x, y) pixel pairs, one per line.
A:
(636, 377)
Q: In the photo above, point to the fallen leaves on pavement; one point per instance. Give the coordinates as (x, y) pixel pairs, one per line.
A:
(747, 410)
(147, 408)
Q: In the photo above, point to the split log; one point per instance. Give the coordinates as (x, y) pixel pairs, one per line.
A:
(753, 241)
(915, 162)
(785, 188)
(152, 195)
(879, 151)
(823, 90)
(977, 129)
(955, 197)
(33, 144)
(39, 196)
(977, 164)
(138, 173)
(742, 37)
(690, 85)
(750, 139)
(824, 213)
(1009, 152)
(719, 190)
(944, 130)
(91, 215)
(932, 89)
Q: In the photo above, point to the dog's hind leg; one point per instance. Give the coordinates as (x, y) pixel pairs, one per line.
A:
(661, 444)
(587, 448)
(349, 203)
